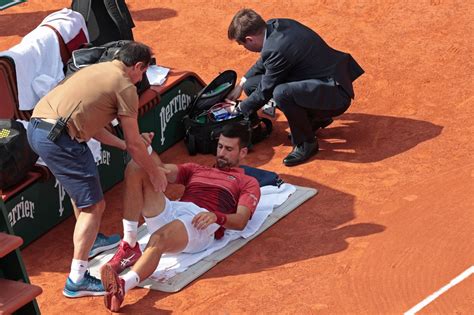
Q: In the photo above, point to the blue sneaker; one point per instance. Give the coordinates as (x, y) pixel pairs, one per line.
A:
(87, 287)
(103, 243)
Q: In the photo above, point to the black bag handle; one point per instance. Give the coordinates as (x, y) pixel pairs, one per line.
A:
(268, 126)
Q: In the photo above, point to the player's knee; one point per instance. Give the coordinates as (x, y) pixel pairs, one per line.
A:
(133, 170)
(157, 240)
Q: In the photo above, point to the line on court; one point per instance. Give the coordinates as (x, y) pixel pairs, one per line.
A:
(469, 271)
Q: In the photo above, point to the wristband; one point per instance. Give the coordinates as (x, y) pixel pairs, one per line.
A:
(221, 218)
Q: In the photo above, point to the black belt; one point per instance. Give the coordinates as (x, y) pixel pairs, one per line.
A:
(41, 124)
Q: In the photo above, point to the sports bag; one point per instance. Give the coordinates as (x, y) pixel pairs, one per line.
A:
(207, 116)
(106, 20)
(89, 55)
(16, 156)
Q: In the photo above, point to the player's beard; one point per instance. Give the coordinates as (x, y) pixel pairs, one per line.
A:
(222, 163)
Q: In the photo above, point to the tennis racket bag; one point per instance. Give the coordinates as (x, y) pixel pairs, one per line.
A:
(16, 156)
(207, 115)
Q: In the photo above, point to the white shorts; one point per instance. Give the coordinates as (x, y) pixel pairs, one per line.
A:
(198, 240)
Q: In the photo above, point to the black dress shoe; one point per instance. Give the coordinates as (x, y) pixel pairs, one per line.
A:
(301, 153)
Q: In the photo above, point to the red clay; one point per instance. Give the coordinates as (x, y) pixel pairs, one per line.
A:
(392, 222)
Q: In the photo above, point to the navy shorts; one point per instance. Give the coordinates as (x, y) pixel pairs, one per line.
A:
(71, 162)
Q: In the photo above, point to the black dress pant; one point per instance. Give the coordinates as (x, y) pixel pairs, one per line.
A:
(305, 103)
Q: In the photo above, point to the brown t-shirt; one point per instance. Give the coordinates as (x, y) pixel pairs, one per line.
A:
(104, 90)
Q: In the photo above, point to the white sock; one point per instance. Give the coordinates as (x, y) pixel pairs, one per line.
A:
(130, 231)
(153, 223)
(78, 269)
(131, 279)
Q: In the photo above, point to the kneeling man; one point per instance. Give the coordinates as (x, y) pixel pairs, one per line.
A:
(215, 198)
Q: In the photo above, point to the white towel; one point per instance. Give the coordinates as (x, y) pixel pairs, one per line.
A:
(171, 264)
(157, 75)
(37, 54)
(68, 23)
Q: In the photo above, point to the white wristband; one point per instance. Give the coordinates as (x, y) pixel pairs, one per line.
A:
(242, 81)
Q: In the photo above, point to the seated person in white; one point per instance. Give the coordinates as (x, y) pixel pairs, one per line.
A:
(214, 199)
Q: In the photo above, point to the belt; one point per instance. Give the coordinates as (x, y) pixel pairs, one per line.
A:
(41, 124)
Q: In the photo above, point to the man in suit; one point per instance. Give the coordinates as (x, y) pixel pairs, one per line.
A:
(309, 81)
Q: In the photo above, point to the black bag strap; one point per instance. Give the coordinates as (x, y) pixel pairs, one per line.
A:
(83, 7)
(268, 125)
(119, 13)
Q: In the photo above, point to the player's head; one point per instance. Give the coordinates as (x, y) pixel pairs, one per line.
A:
(232, 146)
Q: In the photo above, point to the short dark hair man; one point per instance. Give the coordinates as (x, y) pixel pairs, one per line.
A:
(214, 199)
(92, 98)
(309, 81)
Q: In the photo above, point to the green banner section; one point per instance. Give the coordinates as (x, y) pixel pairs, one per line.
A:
(8, 3)
(38, 208)
(165, 120)
(111, 166)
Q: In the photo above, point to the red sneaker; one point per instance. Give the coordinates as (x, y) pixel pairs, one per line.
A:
(114, 287)
(125, 257)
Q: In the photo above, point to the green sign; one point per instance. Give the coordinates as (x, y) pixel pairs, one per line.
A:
(111, 166)
(166, 119)
(38, 208)
(8, 3)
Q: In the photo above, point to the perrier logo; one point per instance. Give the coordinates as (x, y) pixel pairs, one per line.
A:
(4, 133)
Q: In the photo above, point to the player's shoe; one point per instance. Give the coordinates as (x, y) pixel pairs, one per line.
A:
(88, 286)
(114, 286)
(125, 257)
(103, 243)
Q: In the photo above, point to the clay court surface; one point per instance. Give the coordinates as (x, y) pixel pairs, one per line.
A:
(394, 218)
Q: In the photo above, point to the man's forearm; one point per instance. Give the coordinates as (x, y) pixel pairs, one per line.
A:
(139, 154)
(106, 137)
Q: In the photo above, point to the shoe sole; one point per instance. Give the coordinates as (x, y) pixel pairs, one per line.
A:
(102, 249)
(111, 284)
(72, 294)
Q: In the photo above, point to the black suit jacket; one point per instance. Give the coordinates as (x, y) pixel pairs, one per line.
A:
(293, 52)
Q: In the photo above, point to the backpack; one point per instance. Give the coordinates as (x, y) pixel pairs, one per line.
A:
(106, 20)
(87, 56)
(16, 156)
(203, 123)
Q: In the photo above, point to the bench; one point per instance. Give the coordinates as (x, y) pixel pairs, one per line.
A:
(16, 294)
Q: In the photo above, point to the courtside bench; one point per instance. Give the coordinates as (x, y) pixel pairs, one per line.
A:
(17, 295)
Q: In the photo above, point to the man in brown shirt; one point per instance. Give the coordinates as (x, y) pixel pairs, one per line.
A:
(92, 98)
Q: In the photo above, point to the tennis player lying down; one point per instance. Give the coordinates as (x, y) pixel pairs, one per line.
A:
(215, 198)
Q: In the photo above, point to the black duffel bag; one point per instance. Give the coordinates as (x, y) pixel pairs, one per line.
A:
(16, 156)
(86, 56)
(202, 127)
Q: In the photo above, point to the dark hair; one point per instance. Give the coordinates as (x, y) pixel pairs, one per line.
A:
(133, 52)
(246, 22)
(237, 130)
